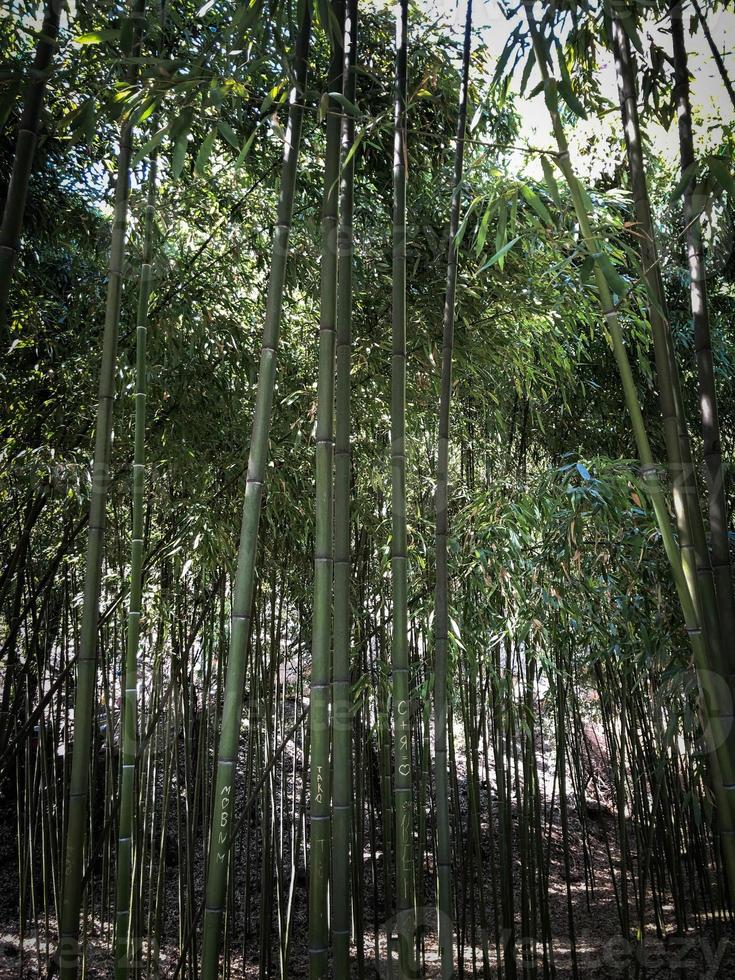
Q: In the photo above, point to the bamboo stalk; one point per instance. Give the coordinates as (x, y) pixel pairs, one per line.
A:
(342, 813)
(220, 837)
(321, 667)
(129, 721)
(441, 617)
(87, 664)
(403, 785)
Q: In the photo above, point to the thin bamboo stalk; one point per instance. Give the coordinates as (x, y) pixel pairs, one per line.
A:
(403, 786)
(321, 665)
(220, 838)
(129, 720)
(342, 804)
(441, 616)
(87, 664)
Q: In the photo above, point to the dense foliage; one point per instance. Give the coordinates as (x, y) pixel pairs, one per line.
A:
(586, 804)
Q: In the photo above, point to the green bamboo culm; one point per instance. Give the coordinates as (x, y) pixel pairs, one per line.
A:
(242, 598)
(126, 945)
(403, 790)
(342, 802)
(441, 608)
(712, 446)
(87, 663)
(321, 650)
(25, 149)
(716, 700)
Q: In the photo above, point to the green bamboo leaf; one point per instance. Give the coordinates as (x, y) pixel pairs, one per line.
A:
(530, 62)
(551, 96)
(721, 172)
(147, 148)
(686, 178)
(564, 87)
(229, 133)
(463, 225)
(614, 280)
(247, 145)
(179, 155)
(482, 230)
(499, 255)
(536, 203)
(500, 232)
(510, 45)
(631, 30)
(349, 107)
(355, 144)
(586, 269)
(205, 151)
(551, 183)
(98, 37)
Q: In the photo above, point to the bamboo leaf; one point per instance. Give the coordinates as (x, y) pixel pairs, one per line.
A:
(98, 37)
(614, 280)
(205, 151)
(482, 230)
(355, 144)
(499, 255)
(721, 172)
(147, 148)
(536, 203)
(229, 133)
(686, 178)
(247, 145)
(631, 30)
(565, 90)
(179, 155)
(551, 183)
(349, 107)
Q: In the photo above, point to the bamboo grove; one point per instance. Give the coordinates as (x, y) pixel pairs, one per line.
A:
(441, 307)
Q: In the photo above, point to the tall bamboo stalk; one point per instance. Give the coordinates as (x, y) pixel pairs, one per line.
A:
(242, 597)
(25, 149)
(717, 705)
(399, 560)
(718, 523)
(129, 721)
(86, 670)
(342, 714)
(321, 663)
(441, 615)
